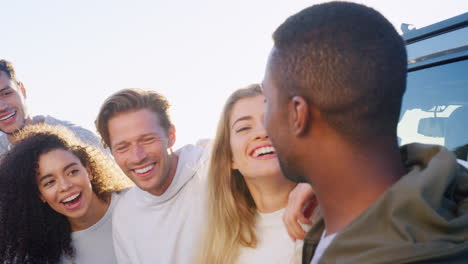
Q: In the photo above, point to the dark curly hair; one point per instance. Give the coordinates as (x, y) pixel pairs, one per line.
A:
(30, 230)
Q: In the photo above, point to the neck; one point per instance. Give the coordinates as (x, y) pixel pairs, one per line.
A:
(270, 194)
(11, 136)
(160, 190)
(96, 211)
(358, 178)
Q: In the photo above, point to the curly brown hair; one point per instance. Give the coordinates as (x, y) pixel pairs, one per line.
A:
(31, 231)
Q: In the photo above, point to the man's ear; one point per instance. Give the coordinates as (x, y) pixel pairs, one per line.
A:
(299, 115)
(172, 136)
(21, 89)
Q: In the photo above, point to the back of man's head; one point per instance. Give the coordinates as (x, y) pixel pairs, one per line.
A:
(346, 60)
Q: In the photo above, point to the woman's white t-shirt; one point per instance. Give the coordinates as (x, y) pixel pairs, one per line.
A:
(94, 244)
(274, 244)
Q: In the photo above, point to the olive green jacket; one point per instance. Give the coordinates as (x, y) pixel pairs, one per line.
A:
(423, 218)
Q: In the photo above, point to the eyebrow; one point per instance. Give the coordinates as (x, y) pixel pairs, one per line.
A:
(64, 169)
(241, 119)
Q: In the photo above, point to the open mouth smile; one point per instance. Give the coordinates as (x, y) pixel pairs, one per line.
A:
(263, 152)
(144, 171)
(8, 116)
(72, 202)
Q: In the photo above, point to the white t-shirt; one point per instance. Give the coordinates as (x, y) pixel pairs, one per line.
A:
(274, 244)
(325, 241)
(162, 229)
(94, 244)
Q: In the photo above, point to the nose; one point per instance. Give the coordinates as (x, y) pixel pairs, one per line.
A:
(138, 154)
(65, 184)
(3, 105)
(260, 132)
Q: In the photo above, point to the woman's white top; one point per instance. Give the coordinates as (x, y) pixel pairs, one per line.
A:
(94, 244)
(274, 244)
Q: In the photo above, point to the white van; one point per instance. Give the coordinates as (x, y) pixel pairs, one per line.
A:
(435, 105)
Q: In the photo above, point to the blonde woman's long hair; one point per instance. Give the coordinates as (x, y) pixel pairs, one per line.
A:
(231, 209)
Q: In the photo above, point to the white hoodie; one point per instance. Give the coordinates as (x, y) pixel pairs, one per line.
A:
(162, 229)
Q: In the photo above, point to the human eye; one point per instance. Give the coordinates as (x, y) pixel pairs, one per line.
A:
(48, 183)
(73, 172)
(242, 128)
(6, 92)
(121, 148)
(149, 139)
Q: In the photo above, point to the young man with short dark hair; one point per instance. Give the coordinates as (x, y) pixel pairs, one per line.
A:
(334, 85)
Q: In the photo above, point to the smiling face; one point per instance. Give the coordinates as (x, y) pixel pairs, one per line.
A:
(252, 151)
(64, 184)
(13, 113)
(140, 146)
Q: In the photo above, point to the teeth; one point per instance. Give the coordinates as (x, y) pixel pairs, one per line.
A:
(144, 170)
(71, 198)
(263, 150)
(7, 116)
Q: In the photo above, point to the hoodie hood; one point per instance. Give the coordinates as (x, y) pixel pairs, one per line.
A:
(421, 218)
(187, 167)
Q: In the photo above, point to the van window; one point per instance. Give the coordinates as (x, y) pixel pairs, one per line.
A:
(435, 106)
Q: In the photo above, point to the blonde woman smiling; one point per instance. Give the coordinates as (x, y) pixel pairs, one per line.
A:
(247, 192)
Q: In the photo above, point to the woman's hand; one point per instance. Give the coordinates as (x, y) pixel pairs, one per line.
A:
(301, 204)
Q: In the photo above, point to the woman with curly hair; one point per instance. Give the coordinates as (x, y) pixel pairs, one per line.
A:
(247, 192)
(56, 199)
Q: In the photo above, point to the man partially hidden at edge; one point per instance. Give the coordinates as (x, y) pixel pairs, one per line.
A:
(14, 112)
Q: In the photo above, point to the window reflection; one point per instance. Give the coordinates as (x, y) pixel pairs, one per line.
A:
(435, 106)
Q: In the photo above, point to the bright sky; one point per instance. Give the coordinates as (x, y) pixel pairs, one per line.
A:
(71, 55)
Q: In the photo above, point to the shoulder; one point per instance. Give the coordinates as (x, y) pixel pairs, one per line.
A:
(83, 134)
(115, 200)
(117, 196)
(78, 130)
(127, 210)
(3, 143)
(124, 200)
(190, 151)
(193, 156)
